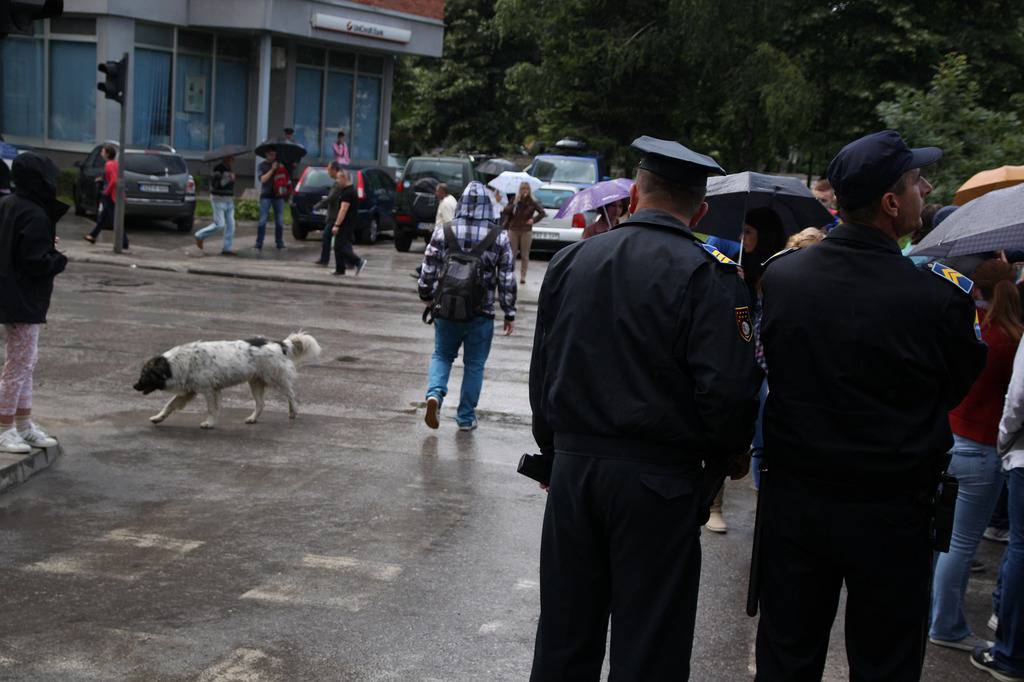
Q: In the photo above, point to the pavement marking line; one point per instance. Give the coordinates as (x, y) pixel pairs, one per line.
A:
(291, 591)
(69, 565)
(147, 540)
(377, 571)
(526, 584)
(488, 628)
(7, 662)
(243, 665)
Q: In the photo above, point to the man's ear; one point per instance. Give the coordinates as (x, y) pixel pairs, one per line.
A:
(634, 196)
(701, 211)
(890, 204)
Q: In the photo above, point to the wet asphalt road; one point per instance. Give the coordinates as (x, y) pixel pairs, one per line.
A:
(350, 544)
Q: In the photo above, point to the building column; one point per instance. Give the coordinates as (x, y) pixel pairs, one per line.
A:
(384, 140)
(262, 97)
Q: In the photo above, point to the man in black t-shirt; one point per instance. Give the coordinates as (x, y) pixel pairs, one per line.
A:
(342, 216)
(268, 172)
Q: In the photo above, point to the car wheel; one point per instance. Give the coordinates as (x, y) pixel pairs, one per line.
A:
(185, 224)
(299, 231)
(403, 240)
(371, 233)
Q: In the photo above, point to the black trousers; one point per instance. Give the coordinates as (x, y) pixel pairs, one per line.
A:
(620, 538)
(344, 254)
(105, 220)
(815, 539)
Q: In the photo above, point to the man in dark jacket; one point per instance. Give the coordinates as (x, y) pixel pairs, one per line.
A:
(29, 262)
(644, 390)
(867, 354)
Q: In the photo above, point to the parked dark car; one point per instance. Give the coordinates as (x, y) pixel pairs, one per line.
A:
(417, 205)
(157, 184)
(374, 187)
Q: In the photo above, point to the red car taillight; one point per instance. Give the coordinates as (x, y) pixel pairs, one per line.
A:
(579, 220)
(302, 177)
(360, 187)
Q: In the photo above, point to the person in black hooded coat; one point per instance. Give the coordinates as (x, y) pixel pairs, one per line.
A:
(29, 262)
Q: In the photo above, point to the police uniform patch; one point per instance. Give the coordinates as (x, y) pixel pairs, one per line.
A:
(947, 273)
(977, 326)
(719, 256)
(744, 323)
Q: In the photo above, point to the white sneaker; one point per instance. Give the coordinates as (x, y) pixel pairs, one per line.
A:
(997, 535)
(36, 437)
(968, 643)
(716, 523)
(11, 441)
(993, 622)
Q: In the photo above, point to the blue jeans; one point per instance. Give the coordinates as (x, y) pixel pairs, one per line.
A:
(261, 230)
(223, 219)
(1009, 649)
(978, 469)
(757, 445)
(475, 339)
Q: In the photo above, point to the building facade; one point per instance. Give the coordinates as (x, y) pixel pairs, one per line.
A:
(203, 73)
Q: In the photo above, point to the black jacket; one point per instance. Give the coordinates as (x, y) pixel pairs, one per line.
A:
(866, 356)
(221, 184)
(643, 348)
(29, 262)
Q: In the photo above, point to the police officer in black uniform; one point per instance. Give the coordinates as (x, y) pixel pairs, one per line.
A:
(866, 354)
(642, 375)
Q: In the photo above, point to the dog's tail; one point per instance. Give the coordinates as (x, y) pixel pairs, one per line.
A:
(302, 348)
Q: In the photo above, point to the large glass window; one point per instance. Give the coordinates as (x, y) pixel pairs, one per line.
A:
(337, 111)
(151, 120)
(192, 103)
(232, 102)
(365, 134)
(21, 85)
(308, 87)
(72, 91)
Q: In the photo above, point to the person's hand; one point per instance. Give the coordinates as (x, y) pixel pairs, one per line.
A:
(740, 466)
(510, 326)
(56, 241)
(275, 166)
(545, 488)
(529, 221)
(334, 230)
(231, 177)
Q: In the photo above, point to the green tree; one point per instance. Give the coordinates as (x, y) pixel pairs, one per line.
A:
(949, 114)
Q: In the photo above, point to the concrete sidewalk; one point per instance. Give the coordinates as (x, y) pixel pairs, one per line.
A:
(157, 246)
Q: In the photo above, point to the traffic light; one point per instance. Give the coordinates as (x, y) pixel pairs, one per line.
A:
(117, 74)
(16, 16)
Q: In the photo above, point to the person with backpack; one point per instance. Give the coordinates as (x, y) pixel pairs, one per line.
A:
(465, 262)
(275, 187)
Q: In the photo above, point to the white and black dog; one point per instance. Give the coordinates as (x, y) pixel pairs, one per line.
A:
(207, 367)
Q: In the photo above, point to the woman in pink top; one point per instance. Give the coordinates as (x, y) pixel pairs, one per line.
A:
(341, 149)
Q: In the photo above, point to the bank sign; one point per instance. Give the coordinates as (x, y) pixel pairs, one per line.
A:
(328, 22)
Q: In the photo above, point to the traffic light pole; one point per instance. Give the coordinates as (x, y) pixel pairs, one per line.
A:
(119, 206)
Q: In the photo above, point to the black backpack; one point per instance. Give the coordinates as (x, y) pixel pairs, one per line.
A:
(461, 286)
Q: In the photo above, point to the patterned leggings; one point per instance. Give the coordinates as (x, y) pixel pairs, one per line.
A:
(16, 378)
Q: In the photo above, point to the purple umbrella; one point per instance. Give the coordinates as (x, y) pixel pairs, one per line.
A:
(596, 196)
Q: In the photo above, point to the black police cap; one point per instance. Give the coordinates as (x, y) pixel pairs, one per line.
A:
(674, 162)
(865, 169)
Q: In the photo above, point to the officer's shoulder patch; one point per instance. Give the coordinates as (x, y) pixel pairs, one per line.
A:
(958, 279)
(780, 254)
(718, 255)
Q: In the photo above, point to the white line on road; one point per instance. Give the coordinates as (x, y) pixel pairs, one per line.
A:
(488, 628)
(525, 584)
(156, 540)
(377, 571)
(243, 665)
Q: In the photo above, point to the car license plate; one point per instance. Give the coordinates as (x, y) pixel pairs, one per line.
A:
(427, 226)
(544, 234)
(160, 189)
(319, 211)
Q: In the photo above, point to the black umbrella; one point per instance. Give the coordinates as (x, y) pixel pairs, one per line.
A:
(288, 152)
(225, 151)
(992, 222)
(730, 197)
(496, 166)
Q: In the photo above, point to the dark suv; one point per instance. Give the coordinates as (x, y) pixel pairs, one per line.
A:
(417, 205)
(374, 187)
(157, 184)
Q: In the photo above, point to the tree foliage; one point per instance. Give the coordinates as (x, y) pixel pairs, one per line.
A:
(764, 84)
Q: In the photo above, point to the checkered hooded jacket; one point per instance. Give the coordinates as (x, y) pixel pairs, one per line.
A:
(474, 217)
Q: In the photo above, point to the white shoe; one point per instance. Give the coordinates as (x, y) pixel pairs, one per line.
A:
(11, 441)
(993, 622)
(36, 437)
(968, 643)
(716, 523)
(997, 535)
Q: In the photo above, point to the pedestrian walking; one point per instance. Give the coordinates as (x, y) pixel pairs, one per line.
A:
(342, 215)
(867, 354)
(1005, 660)
(107, 196)
(341, 149)
(275, 187)
(466, 261)
(327, 234)
(518, 217)
(29, 262)
(222, 201)
(974, 461)
(643, 388)
(446, 205)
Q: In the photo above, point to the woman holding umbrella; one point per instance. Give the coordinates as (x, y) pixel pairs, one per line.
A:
(519, 217)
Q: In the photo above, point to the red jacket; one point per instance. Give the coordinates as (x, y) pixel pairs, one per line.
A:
(977, 416)
(110, 179)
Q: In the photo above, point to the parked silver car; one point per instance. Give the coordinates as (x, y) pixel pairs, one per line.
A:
(157, 184)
